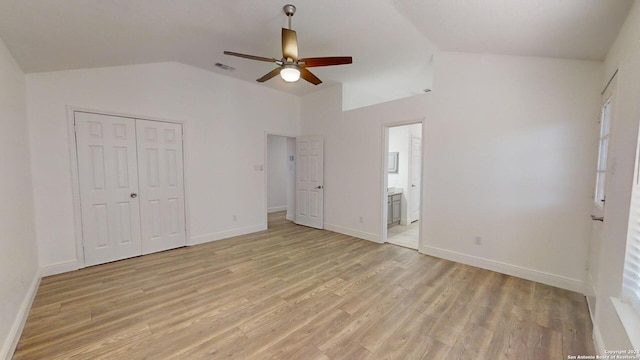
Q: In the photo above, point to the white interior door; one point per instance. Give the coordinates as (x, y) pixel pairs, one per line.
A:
(309, 181)
(416, 178)
(108, 175)
(160, 165)
(598, 214)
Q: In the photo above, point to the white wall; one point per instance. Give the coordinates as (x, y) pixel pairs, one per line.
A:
(625, 56)
(509, 156)
(276, 173)
(18, 254)
(627, 35)
(225, 122)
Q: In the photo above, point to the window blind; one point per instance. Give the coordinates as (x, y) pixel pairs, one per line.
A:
(631, 278)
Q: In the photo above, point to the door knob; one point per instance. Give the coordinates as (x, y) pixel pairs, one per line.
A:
(413, 185)
(133, 195)
(319, 187)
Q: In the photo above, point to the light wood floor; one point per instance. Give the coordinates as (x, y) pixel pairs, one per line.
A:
(297, 293)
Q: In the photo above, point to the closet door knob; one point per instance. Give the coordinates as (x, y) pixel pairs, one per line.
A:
(133, 195)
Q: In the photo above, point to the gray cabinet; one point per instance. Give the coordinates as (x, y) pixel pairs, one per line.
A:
(393, 209)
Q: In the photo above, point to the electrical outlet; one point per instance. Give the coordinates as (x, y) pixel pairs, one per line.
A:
(478, 240)
(361, 220)
(235, 217)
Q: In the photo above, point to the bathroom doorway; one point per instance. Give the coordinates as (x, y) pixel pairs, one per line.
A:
(280, 177)
(403, 185)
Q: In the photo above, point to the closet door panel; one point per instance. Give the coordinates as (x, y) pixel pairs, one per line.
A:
(108, 177)
(160, 158)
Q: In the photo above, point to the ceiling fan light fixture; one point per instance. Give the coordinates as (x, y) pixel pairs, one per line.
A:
(290, 67)
(290, 73)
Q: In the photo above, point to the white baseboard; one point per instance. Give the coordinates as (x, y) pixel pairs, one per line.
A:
(201, 239)
(598, 343)
(276, 209)
(508, 269)
(11, 342)
(352, 232)
(59, 268)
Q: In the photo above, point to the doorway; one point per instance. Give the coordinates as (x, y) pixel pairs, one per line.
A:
(402, 184)
(294, 186)
(281, 177)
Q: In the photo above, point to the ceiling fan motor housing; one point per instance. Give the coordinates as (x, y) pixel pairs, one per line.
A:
(289, 10)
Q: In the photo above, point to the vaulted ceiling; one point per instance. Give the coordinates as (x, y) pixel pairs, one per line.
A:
(383, 36)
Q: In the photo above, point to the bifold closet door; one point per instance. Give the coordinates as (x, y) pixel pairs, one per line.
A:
(160, 165)
(108, 176)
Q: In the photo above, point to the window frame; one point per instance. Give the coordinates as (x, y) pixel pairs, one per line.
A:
(599, 197)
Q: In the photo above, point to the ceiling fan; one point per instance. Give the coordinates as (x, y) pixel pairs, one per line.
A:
(290, 67)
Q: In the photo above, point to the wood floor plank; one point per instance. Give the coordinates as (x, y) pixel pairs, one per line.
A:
(473, 344)
(544, 343)
(384, 327)
(319, 330)
(362, 320)
(410, 341)
(293, 292)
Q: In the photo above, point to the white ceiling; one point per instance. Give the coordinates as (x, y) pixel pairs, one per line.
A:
(572, 29)
(381, 35)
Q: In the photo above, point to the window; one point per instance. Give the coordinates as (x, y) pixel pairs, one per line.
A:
(601, 170)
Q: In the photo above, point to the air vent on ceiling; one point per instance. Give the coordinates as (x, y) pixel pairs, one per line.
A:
(225, 67)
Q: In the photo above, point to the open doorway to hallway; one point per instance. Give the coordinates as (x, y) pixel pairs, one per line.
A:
(281, 171)
(403, 184)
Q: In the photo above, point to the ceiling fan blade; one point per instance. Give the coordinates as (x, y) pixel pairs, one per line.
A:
(252, 57)
(327, 61)
(289, 44)
(271, 74)
(307, 75)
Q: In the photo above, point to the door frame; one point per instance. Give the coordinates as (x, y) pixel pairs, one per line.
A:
(384, 182)
(265, 205)
(410, 175)
(75, 176)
